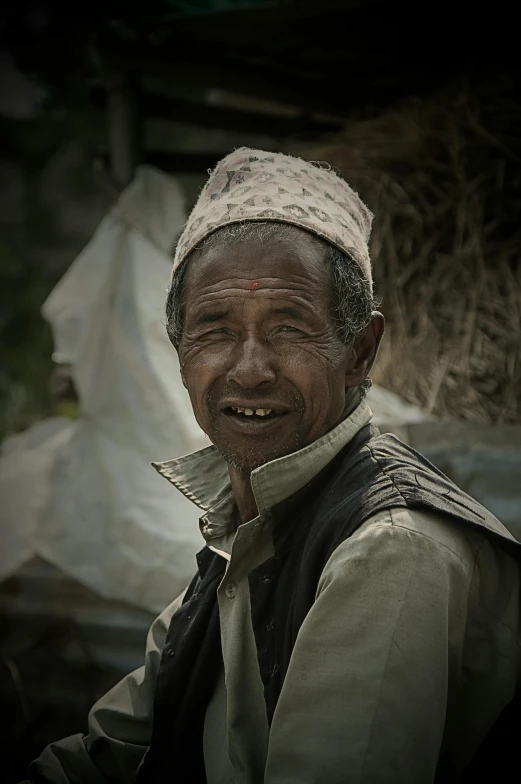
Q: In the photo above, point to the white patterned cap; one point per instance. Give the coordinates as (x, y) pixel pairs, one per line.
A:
(254, 185)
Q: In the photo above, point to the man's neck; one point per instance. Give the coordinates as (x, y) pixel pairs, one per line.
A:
(243, 494)
(241, 480)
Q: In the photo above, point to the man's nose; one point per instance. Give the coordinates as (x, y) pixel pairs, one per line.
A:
(253, 364)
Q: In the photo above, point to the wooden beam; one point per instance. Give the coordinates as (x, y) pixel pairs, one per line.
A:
(347, 84)
(330, 60)
(124, 125)
(213, 68)
(181, 110)
(183, 162)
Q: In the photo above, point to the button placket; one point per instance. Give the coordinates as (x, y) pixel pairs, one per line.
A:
(231, 590)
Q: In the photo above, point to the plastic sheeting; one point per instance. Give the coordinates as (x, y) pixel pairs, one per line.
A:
(82, 493)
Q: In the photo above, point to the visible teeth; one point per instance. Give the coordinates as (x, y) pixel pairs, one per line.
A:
(250, 411)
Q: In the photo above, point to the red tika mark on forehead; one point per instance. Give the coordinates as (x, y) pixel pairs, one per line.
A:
(254, 286)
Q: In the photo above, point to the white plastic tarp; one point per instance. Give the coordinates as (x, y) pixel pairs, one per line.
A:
(82, 493)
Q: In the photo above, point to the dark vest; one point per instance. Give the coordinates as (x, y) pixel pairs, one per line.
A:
(372, 473)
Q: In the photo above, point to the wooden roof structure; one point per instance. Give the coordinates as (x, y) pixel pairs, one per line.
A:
(287, 70)
(234, 72)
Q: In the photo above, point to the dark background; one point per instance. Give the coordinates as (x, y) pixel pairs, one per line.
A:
(89, 91)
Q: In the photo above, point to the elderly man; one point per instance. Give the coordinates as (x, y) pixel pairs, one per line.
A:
(354, 616)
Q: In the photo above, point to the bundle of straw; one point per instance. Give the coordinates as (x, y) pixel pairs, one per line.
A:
(442, 177)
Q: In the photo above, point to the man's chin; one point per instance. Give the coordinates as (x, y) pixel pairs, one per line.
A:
(247, 460)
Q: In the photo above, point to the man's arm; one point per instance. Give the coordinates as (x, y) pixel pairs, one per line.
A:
(365, 696)
(119, 726)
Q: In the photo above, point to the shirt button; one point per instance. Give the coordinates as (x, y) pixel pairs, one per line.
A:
(230, 590)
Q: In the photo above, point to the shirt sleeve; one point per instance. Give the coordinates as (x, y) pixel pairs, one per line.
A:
(365, 696)
(119, 726)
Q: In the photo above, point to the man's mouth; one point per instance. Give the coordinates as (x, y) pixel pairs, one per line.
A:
(262, 412)
(253, 413)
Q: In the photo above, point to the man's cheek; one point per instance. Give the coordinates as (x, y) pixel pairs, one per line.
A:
(190, 353)
(201, 414)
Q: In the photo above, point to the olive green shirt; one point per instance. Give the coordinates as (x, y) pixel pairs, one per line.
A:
(409, 653)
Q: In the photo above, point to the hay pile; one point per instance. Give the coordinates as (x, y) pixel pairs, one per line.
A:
(443, 178)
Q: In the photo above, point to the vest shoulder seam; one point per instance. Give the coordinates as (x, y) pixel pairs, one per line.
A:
(387, 474)
(424, 535)
(389, 526)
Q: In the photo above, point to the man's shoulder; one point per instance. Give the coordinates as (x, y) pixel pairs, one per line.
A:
(442, 532)
(401, 536)
(407, 478)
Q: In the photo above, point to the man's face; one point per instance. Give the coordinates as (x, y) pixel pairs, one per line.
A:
(259, 337)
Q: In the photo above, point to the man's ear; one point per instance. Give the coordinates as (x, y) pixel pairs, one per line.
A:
(364, 350)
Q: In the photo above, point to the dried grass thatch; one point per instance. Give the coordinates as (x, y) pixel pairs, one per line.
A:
(443, 179)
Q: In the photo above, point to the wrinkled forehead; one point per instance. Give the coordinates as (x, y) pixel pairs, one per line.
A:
(259, 257)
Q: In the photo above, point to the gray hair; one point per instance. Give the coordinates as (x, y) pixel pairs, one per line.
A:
(353, 302)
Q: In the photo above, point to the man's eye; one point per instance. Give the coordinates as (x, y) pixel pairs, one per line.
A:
(285, 328)
(214, 334)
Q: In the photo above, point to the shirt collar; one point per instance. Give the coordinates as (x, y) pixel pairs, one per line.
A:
(203, 475)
